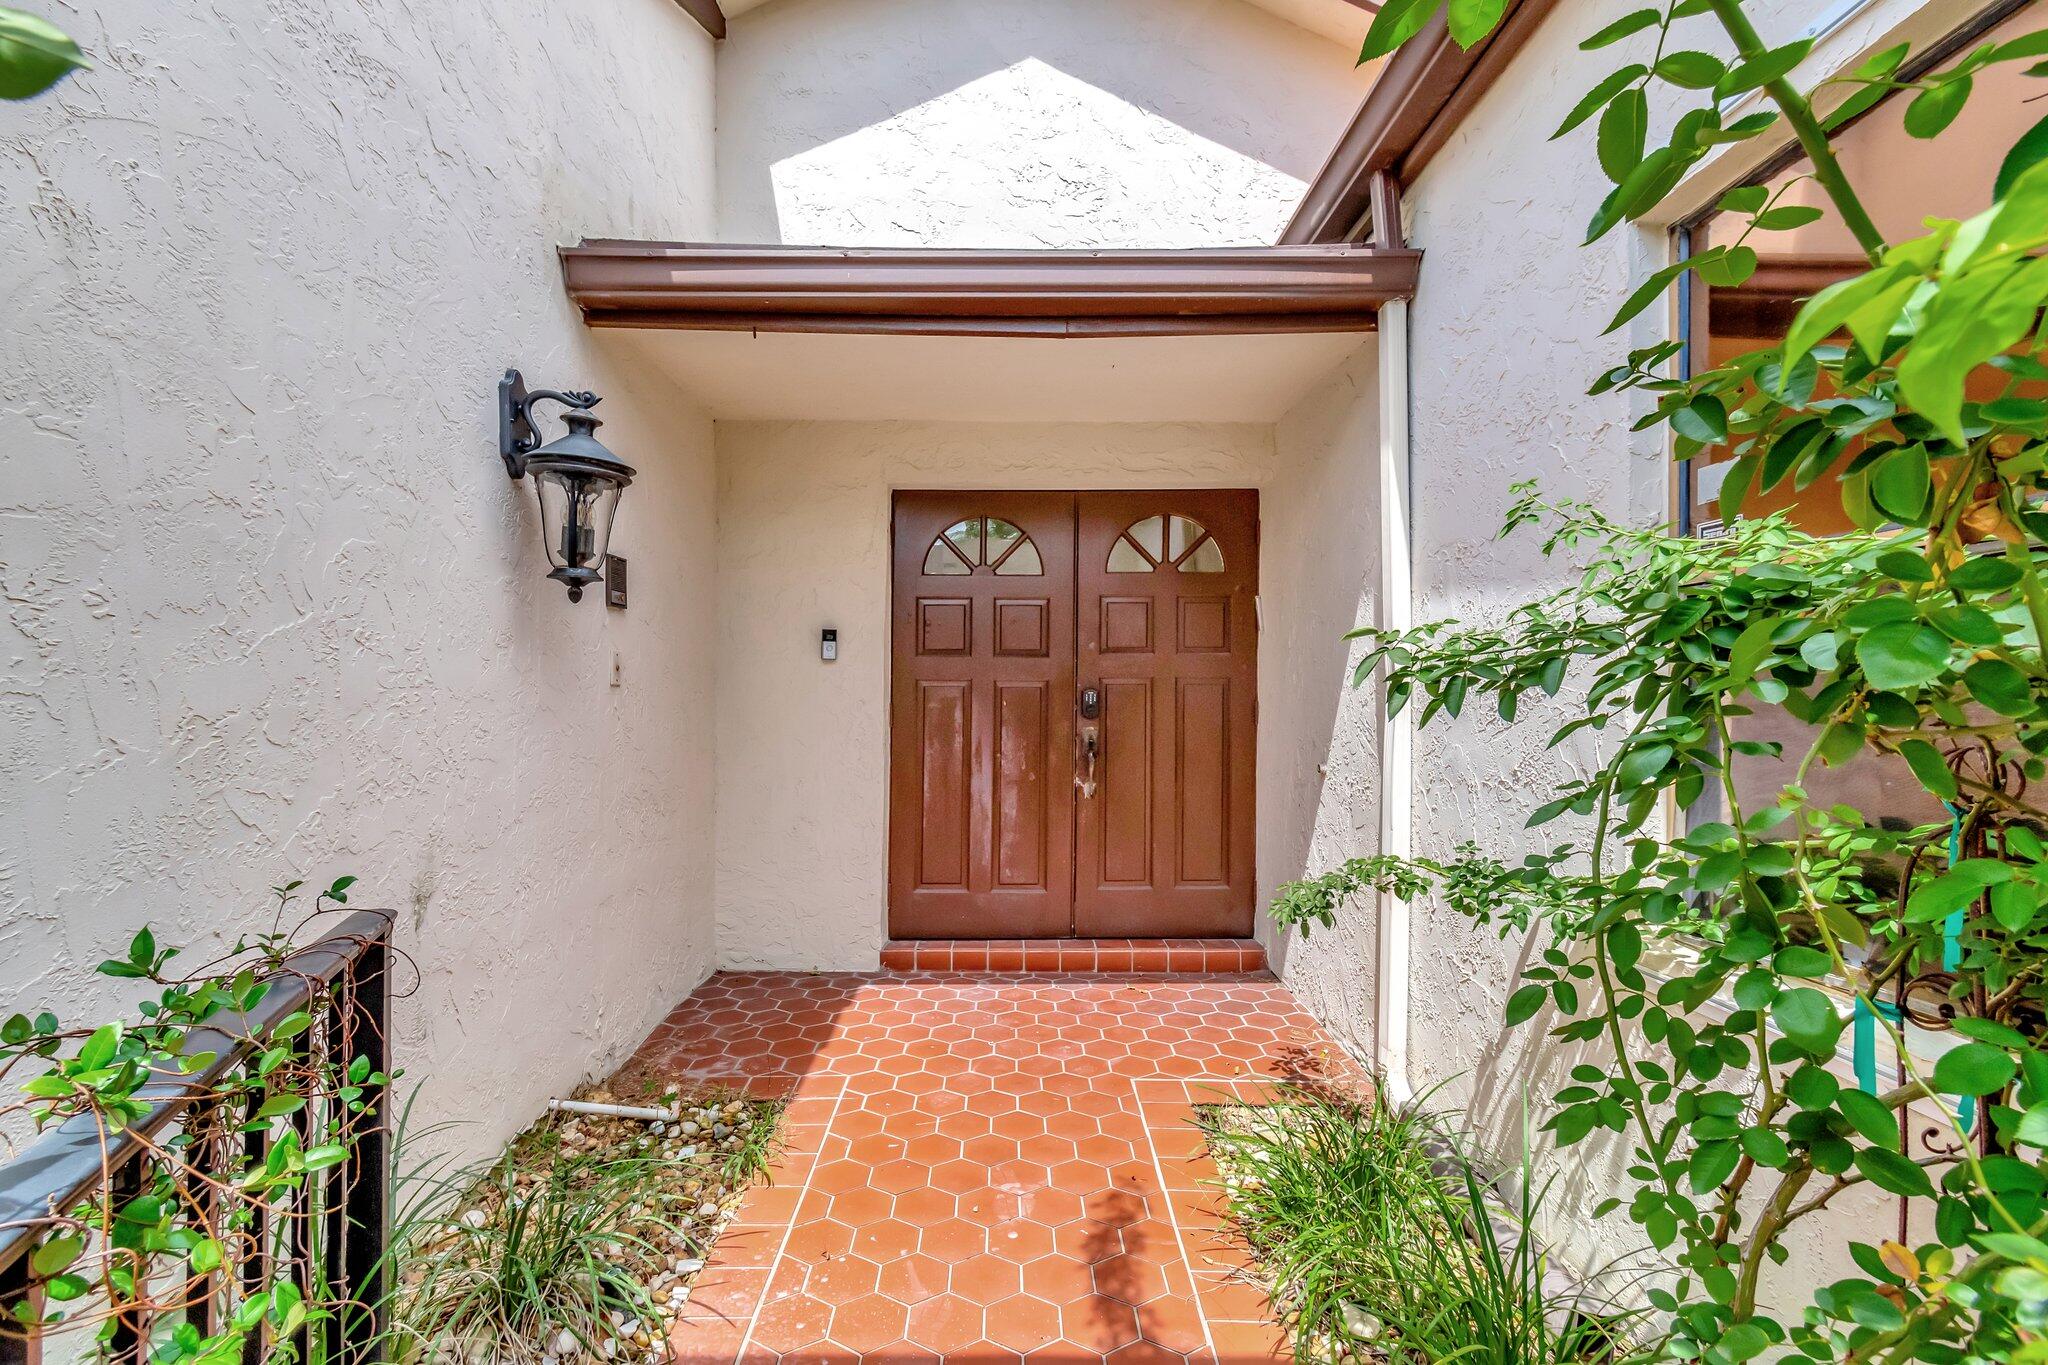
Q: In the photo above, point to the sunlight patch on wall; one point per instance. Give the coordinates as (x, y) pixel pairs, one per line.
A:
(1029, 157)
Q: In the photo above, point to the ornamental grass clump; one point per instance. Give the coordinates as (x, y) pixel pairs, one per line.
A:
(580, 1243)
(1375, 1240)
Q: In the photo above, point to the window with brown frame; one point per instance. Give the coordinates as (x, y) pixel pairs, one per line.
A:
(1903, 180)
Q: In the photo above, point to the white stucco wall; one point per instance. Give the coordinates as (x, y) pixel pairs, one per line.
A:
(273, 608)
(803, 543)
(1031, 123)
(1319, 771)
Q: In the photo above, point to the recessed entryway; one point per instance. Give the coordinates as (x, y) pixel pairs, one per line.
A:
(1072, 715)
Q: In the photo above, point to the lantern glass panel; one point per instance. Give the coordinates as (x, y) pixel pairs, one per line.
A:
(576, 510)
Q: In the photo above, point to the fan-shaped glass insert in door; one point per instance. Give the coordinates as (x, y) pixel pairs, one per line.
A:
(1156, 542)
(984, 542)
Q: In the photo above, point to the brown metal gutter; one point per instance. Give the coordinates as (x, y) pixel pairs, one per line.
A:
(707, 13)
(1423, 93)
(1224, 291)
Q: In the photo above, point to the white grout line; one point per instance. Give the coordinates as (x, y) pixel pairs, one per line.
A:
(1173, 1221)
(802, 1197)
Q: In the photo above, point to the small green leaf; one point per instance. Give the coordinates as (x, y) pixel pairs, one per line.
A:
(1901, 656)
(1974, 1069)
(327, 1154)
(1647, 293)
(1704, 419)
(1743, 1341)
(277, 1105)
(1624, 127)
(1763, 68)
(1808, 1018)
(1936, 107)
(1929, 767)
(1801, 961)
(2013, 905)
(1998, 685)
(1813, 1087)
(1891, 1172)
(56, 1254)
(1596, 99)
(1869, 1117)
(2030, 149)
(1901, 485)
(1524, 1003)
(1765, 1147)
(1633, 22)
(1955, 888)
(1730, 270)
(1712, 1163)
(1690, 70)
(1471, 20)
(1395, 24)
(65, 1288)
(34, 55)
(98, 1050)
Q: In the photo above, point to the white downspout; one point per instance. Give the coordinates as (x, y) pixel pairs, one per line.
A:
(1396, 612)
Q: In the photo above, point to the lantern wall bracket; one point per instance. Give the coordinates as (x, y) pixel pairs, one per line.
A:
(518, 437)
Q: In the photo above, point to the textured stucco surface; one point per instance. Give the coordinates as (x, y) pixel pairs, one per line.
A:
(1319, 756)
(1034, 123)
(273, 608)
(803, 543)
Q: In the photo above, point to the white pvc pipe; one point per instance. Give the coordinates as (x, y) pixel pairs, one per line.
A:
(615, 1111)
(1397, 771)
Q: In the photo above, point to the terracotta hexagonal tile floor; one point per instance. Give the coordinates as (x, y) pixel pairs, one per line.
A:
(988, 1168)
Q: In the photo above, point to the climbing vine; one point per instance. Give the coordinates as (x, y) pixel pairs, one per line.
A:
(1729, 982)
(222, 1210)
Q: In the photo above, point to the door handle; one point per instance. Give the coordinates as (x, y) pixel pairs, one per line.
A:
(1085, 779)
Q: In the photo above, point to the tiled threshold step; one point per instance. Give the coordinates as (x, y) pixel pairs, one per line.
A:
(1171, 956)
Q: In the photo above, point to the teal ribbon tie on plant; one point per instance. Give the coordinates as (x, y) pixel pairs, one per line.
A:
(1864, 1047)
(1952, 927)
(1863, 1041)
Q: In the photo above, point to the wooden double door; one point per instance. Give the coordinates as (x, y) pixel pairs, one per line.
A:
(1072, 714)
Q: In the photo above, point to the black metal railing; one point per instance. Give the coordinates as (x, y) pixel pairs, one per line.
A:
(334, 1227)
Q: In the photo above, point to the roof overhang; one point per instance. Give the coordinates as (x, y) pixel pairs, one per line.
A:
(1424, 91)
(1231, 290)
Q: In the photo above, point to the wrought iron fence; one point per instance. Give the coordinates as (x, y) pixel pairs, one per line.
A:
(332, 1229)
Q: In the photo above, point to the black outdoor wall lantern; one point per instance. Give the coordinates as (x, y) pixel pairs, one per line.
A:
(577, 479)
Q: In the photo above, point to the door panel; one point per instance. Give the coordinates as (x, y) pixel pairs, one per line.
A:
(982, 716)
(1168, 583)
(944, 782)
(1006, 606)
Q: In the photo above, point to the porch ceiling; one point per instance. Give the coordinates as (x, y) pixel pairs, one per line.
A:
(780, 376)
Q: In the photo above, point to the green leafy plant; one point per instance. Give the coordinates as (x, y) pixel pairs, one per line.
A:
(224, 1204)
(494, 1268)
(583, 1232)
(34, 55)
(1382, 1241)
(1501, 1305)
(1915, 388)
